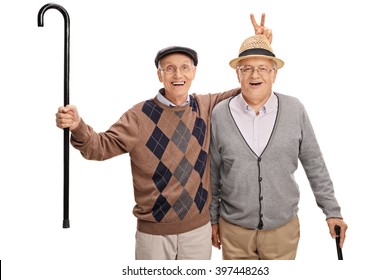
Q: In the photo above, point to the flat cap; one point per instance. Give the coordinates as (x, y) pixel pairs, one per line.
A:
(176, 49)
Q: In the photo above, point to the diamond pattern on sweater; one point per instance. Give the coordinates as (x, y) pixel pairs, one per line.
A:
(180, 113)
(152, 110)
(160, 208)
(157, 142)
(183, 171)
(199, 130)
(183, 204)
(181, 137)
(201, 197)
(193, 104)
(161, 176)
(200, 164)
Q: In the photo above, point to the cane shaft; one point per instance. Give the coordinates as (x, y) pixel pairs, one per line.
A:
(339, 251)
(66, 223)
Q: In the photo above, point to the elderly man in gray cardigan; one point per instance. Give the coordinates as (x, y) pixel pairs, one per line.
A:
(257, 139)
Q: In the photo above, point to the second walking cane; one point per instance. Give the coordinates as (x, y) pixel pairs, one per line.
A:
(65, 14)
(339, 251)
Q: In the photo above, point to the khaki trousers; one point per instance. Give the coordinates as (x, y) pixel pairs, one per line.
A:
(191, 245)
(240, 243)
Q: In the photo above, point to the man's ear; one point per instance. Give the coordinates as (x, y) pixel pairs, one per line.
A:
(193, 78)
(274, 76)
(159, 75)
(238, 76)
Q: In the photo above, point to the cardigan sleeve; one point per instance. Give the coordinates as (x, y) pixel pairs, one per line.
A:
(315, 168)
(215, 163)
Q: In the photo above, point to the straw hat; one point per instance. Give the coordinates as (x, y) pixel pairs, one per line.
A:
(256, 46)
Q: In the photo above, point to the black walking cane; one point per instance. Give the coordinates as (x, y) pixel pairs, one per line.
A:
(41, 13)
(339, 251)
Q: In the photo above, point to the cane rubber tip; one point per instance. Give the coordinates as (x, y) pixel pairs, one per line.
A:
(66, 224)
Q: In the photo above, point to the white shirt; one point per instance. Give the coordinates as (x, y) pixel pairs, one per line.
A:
(256, 129)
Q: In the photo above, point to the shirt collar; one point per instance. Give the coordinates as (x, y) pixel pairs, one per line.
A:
(269, 106)
(161, 97)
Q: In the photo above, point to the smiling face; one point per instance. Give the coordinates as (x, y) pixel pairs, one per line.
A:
(257, 86)
(178, 83)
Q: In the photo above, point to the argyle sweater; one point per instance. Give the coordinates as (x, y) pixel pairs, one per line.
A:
(168, 148)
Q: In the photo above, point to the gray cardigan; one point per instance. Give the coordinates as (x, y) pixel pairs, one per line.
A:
(261, 192)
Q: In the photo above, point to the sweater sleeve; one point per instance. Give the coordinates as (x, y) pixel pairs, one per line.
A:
(316, 171)
(118, 139)
(213, 99)
(215, 163)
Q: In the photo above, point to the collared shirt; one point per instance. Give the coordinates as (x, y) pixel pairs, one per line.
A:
(256, 129)
(165, 101)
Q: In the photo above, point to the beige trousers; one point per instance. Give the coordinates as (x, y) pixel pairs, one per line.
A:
(250, 244)
(191, 245)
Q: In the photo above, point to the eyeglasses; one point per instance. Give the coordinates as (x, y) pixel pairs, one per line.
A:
(248, 70)
(170, 69)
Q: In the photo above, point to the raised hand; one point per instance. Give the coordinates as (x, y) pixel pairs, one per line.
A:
(260, 29)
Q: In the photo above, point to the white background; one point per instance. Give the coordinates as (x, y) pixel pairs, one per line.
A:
(336, 55)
